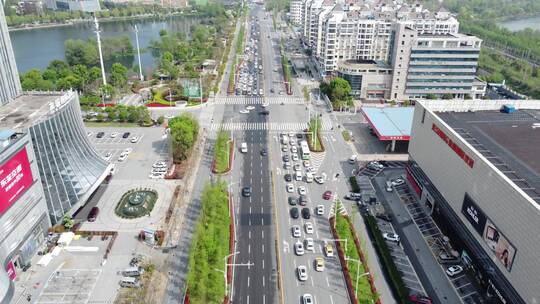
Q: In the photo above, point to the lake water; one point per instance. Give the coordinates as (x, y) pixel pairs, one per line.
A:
(37, 47)
(522, 23)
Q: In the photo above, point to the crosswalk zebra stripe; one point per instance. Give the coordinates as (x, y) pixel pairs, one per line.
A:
(258, 100)
(297, 126)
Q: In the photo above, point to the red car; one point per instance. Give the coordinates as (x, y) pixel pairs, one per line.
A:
(327, 195)
(420, 299)
(92, 215)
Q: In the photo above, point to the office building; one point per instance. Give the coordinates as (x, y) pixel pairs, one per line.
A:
(478, 170)
(10, 86)
(87, 6)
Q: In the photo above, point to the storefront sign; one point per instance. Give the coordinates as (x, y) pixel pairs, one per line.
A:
(473, 214)
(466, 158)
(15, 179)
(497, 292)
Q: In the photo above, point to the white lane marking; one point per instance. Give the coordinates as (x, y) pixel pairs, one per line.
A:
(249, 209)
(247, 299)
(249, 234)
(331, 299)
(264, 282)
(262, 209)
(262, 264)
(327, 282)
(312, 284)
(249, 248)
(262, 234)
(262, 248)
(262, 221)
(248, 281)
(249, 222)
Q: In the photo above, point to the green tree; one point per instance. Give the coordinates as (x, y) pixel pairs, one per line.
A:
(184, 130)
(119, 75)
(431, 96)
(81, 52)
(33, 80)
(447, 96)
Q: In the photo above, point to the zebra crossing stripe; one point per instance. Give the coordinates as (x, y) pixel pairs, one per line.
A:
(297, 126)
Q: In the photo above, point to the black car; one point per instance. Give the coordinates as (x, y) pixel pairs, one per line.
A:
(288, 177)
(265, 112)
(306, 214)
(125, 135)
(299, 135)
(286, 157)
(303, 200)
(294, 213)
(246, 191)
(292, 201)
(263, 152)
(100, 134)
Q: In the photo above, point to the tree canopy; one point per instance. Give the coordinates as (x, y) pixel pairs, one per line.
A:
(184, 131)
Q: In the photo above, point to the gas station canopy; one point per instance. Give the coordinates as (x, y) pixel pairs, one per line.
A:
(390, 123)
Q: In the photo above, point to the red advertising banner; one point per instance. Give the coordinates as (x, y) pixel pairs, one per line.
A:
(10, 269)
(15, 179)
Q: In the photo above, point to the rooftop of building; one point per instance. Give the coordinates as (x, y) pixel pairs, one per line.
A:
(511, 142)
(28, 108)
(390, 123)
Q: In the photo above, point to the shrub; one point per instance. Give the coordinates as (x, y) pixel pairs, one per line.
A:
(354, 184)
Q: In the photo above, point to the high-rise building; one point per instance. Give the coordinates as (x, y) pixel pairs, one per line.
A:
(48, 167)
(9, 77)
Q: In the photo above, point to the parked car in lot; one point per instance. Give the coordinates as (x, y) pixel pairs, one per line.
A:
(302, 273)
(392, 237)
(294, 213)
(125, 135)
(290, 188)
(353, 196)
(114, 134)
(307, 298)
(302, 190)
(420, 299)
(375, 165)
(398, 181)
(134, 139)
(454, 270)
(447, 258)
(308, 226)
(100, 134)
(292, 201)
(92, 215)
(309, 244)
(319, 179)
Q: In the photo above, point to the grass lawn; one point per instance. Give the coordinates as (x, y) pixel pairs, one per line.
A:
(116, 124)
(364, 293)
(221, 152)
(346, 135)
(314, 145)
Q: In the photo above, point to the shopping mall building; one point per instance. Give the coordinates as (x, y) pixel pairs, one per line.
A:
(48, 167)
(478, 170)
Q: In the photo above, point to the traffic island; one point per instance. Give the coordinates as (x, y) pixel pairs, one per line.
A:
(223, 153)
(359, 280)
(208, 273)
(314, 135)
(136, 203)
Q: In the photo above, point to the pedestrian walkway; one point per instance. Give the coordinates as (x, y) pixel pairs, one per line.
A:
(250, 100)
(272, 126)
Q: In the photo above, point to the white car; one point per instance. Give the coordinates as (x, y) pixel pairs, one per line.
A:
(319, 180)
(127, 150)
(307, 299)
(156, 175)
(454, 270)
(292, 142)
(114, 134)
(108, 156)
(310, 245)
(307, 163)
(291, 134)
(294, 157)
(264, 105)
(391, 237)
(398, 181)
(134, 139)
(299, 248)
(294, 149)
(297, 167)
(308, 226)
(296, 232)
(302, 190)
(244, 111)
(319, 210)
(352, 159)
(302, 273)
(284, 149)
(290, 188)
(89, 134)
(123, 157)
(375, 165)
(250, 108)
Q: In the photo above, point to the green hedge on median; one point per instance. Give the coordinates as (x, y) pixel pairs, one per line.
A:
(354, 184)
(398, 286)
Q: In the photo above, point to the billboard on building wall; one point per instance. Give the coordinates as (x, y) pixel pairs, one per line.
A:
(15, 179)
(502, 248)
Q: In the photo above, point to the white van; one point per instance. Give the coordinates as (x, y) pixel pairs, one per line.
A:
(309, 177)
(298, 175)
(389, 186)
(133, 271)
(243, 148)
(129, 282)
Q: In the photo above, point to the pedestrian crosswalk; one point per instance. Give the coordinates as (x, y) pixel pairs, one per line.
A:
(258, 100)
(341, 209)
(270, 126)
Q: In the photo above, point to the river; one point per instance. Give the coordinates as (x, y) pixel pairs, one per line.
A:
(35, 48)
(522, 23)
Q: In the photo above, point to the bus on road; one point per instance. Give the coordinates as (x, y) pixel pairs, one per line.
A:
(304, 150)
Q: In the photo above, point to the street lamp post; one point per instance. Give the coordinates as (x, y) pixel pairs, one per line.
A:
(358, 275)
(138, 53)
(224, 271)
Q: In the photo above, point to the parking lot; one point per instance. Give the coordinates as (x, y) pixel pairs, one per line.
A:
(436, 241)
(151, 145)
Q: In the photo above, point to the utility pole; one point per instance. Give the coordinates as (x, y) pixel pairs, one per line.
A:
(96, 23)
(138, 53)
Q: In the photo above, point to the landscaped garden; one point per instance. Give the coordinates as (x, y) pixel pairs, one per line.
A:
(363, 292)
(210, 246)
(314, 135)
(136, 203)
